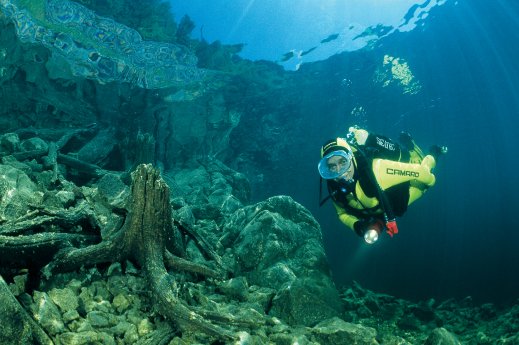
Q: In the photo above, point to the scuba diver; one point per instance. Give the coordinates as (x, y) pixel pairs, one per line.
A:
(371, 179)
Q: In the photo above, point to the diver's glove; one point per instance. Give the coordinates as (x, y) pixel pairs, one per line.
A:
(369, 229)
(357, 135)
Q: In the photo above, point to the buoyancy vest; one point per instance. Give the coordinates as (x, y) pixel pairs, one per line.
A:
(362, 200)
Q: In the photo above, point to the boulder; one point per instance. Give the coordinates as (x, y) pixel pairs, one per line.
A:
(9, 143)
(274, 238)
(335, 331)
(17, 193)
(277, 244)
(306, 301)
(440, 336)
(47, 313)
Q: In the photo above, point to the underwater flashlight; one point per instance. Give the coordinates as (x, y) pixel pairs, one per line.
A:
(371, 236)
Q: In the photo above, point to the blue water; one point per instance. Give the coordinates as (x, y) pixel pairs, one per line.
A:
(462, 238)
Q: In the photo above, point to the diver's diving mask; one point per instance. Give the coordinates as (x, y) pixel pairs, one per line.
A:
(335, 164)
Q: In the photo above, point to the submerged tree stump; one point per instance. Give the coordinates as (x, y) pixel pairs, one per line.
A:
(146, 234)
(143, 239)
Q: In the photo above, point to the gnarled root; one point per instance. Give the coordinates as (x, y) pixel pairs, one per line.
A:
(142, 239)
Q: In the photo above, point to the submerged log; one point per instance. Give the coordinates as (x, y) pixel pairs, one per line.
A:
(39, 247)
(41, 218)
(85, 168)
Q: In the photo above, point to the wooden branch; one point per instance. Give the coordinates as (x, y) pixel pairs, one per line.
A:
(184, 265)
(54, 156)
(33, 154)
(43, 218)
(41, 247)
(91, 170)
(75, 133)
(201, 242)
(70, 259)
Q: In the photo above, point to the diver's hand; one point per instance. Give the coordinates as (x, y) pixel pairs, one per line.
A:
(359, 135)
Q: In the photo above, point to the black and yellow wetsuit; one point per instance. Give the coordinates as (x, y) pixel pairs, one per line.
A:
(403, 175)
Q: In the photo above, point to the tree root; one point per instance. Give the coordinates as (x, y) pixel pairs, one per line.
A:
(142, 239)
(41, 218)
